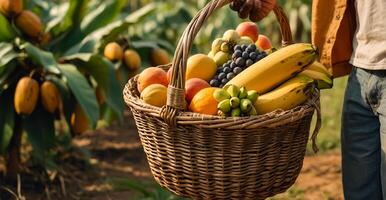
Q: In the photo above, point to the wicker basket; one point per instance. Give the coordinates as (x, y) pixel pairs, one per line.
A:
(208, 157)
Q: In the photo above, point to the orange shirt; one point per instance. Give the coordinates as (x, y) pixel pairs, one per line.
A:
(333, 29)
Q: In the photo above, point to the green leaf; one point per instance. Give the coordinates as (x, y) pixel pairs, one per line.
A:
(83, 92)
(7, 115)
(6, 31)
(99, 38)
(103, 72)
(102, 16)
(99, 17)
(76, 9)
(40, 129)
(7, 56)
(43, 58)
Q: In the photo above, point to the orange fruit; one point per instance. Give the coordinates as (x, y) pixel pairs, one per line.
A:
(152, 75)
(203, 102)
(113, 51)
(263, 42)
(248, 29)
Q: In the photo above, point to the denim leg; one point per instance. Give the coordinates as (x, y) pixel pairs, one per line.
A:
(361, 156)
(382, 119)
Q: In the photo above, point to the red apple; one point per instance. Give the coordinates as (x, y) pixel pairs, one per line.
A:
(264, 43)
(193, 86)
(249, 29)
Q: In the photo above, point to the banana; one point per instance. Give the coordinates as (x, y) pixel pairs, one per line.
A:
(323, 81)
(276, 68)
(319, 67)
(287, 96)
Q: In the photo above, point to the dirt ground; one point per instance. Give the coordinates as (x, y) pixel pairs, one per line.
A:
(117, 152)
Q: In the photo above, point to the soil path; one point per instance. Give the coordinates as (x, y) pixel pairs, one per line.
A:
(116, 152)
(119, 154)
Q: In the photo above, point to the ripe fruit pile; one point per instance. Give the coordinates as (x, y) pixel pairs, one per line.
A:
(243, 57)
(243, 76)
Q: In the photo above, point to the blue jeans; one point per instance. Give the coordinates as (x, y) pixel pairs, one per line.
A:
(364, 136)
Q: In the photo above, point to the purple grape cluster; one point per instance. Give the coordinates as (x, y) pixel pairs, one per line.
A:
(243, 57)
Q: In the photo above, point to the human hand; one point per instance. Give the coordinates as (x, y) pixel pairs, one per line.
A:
(255, 9)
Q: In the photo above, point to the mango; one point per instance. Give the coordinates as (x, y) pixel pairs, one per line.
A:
(113, 51)
(200, 66)
(49, 96)
(79, 121)
(159, 57)
(132, 60)
(11, 7)
(26, 96)
(151, 75)
(155, 95)
(29, 23)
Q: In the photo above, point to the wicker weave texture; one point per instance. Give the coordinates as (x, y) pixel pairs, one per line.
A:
(197, 161)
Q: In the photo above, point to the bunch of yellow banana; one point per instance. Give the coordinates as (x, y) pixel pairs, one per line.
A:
(295, 91)
(285, 78)
(320, 74)
(287, 96)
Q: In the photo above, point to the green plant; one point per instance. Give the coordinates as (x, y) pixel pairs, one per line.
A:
(68, 53)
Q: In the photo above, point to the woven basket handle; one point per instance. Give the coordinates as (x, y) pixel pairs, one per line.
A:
(176, 90)
(318, 125)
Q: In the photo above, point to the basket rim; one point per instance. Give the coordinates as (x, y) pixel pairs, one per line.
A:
(278, 117)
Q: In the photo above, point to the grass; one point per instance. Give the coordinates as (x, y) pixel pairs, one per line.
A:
(294, 193)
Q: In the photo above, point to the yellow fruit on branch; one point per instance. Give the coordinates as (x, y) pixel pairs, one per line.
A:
(26, 96)
(79, 121)
(29, 23)
(155, 95)
(113, 51)
(11, 7)
(132, 60)
(159, 57)
(50, 96)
